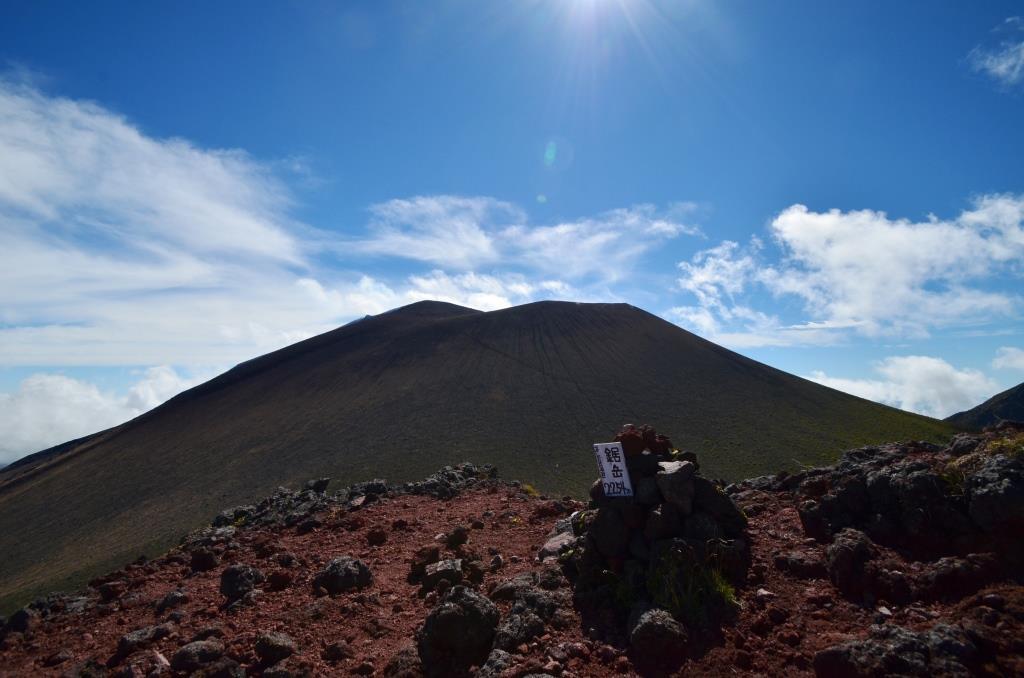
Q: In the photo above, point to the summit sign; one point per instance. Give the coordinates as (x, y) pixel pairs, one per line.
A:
(612, 466)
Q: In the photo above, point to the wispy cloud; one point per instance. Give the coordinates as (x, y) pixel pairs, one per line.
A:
(921, 384)
(464, 233)
(1003, 62)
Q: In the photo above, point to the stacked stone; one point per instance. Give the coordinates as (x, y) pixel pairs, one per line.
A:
(678, 524)
(671, 501)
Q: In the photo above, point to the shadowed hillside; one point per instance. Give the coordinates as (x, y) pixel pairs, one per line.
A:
(1008, 405)
(527, 388)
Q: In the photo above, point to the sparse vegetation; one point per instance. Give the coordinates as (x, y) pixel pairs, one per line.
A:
(1010, 446)
(691, 590)
(529, 489)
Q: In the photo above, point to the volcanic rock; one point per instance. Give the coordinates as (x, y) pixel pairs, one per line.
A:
(343, 574)
(458, 633)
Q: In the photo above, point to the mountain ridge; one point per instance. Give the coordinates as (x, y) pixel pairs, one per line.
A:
(528, 388)
(1007, 405)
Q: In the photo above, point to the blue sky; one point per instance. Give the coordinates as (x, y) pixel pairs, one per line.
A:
(835, 189)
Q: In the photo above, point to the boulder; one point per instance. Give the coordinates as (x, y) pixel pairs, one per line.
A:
(318, 485)
(609, 533)
(675, 481)
(404, 664)
(273, 647)
(663, 522)
(497, 665)
(195, 655)
(238, 580)
(646, 491)
(995, 495)
(801, 564)
(343, 574)
(657, 640)
(710, 498)
(845, 559)
(458, 633)
(520, 626)
(892, 650)
(203, 560)
(450, 570)
(554, 546)
(173, 599)
(141, 638)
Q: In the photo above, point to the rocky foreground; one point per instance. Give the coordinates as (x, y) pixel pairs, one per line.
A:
(899, 560)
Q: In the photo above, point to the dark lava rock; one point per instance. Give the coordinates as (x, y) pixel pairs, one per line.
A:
(895, 651)
(376, 537)
(710, 498)
(609, 533)
(141, 638)
(405, 664)
(995, 495)
(845, 559)
(112, 590)
(675, 482)
(273, 647)
(203, 560)
(953, 577)
(238, 580)
(657, 640)
(497, 664)
(458, 633)
(521, 625)
(802, 564)
(338, 651)
(457, 537)
(196, 654)
(318, 485)
(343, 574)
(450, 570)
(173, 599)
(423, 557)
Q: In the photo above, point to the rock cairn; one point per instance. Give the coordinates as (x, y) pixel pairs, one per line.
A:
(663, 561)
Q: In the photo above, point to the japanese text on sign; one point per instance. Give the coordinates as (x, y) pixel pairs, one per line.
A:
(612, 466)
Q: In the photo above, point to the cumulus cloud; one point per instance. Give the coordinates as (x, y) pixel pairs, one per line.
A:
(48, 409)
(1009, 358)
(921, 384)
(1003, 62)
(466, 232)
(863, 272)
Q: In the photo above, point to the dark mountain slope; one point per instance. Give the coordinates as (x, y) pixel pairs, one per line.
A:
(1006, 405)
(527, 388)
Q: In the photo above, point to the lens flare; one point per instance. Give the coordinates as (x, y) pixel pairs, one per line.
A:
(550, 153)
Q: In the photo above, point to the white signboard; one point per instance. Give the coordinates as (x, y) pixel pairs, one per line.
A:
(612, 465)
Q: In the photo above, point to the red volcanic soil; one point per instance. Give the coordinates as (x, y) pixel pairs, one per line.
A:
(783, 620)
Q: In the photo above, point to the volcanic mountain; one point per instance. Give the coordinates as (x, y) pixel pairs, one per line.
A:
(1008, 405)
(528, 389)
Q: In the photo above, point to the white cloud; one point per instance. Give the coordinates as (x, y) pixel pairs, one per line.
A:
(466, 232)
(118, 248)
(1003, 62)
(444, 229)
(921, 384)
(894, 276)
(861, 272)
(48, 409)
(1009, 358)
